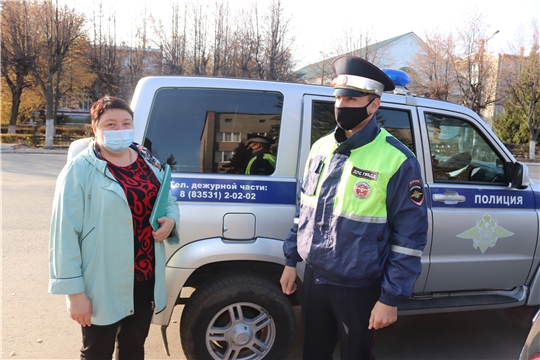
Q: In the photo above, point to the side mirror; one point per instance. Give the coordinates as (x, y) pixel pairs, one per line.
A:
(520, 176)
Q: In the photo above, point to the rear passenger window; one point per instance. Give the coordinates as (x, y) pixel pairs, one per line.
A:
(323, 121)
(460, 153)
(397, 122)
(206, 130)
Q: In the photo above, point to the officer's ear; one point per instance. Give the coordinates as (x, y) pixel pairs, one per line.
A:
(375, 104)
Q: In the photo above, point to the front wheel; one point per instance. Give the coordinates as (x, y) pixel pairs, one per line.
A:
(239, 317)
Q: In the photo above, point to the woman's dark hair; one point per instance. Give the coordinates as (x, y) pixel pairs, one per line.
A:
(107, 103)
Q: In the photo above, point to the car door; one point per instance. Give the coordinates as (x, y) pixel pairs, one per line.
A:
(484, 231)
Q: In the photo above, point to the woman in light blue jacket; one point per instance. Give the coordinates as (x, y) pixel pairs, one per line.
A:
(104, 254)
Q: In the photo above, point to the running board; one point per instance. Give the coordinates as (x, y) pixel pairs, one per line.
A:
(448, 302)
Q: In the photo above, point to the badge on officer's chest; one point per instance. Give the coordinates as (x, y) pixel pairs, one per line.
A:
(362, 190)
(364, 174)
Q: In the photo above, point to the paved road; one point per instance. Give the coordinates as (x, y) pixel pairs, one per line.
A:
(534, 171)
(30, 314)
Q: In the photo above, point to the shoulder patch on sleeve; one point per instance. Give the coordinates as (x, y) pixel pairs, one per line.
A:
(416, 191)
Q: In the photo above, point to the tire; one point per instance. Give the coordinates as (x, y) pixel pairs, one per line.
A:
(239, 317)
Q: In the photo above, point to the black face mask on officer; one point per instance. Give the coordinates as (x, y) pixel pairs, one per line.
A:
(348, 118)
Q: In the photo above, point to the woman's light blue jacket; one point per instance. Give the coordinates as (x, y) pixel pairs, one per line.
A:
(91, 239)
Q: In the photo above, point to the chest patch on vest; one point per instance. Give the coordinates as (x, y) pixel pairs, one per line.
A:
(362, 190)
(364, 174)
(416, 192)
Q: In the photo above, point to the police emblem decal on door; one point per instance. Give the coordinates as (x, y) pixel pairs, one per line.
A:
(485, 233)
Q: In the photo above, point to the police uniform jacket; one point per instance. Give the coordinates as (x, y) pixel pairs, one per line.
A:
(362, 219)
(261, 163)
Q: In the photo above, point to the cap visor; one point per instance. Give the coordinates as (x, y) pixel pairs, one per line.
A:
(348, 92)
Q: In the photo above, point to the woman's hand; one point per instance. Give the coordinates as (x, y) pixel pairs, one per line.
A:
(80, 308)
(166, 226)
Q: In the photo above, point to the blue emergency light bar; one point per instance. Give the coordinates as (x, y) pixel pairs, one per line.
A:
(400, 78)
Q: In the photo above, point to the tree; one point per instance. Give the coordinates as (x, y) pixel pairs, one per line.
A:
(522, 84)
(278, 45)
(360, 42)
(172, 41)
(432, 73)
(57, 30)
(265, 44)
(247, 43)
(199, 47)
(221, 49)
(103, 59)
(510, 127)
(74, 80)
(19, 51)
(475, 73)
(133, 57)
(351, 41)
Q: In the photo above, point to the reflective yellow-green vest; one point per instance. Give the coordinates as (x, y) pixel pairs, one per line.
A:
(267, 156)
(361, 190)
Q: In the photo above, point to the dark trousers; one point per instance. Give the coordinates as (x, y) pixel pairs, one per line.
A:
(129, 334)
(332, 313)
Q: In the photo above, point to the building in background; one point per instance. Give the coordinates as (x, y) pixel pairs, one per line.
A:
(397, 53)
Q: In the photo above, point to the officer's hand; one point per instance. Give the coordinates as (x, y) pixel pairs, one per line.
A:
(382, 315)
(288, 278)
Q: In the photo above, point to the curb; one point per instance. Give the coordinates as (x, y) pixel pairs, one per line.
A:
(10, 149)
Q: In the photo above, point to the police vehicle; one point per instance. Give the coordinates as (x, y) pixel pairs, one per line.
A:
(482, 249)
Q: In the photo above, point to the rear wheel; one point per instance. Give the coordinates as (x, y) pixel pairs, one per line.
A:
(239, 317)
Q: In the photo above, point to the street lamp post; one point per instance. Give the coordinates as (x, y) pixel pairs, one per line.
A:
(483, 44)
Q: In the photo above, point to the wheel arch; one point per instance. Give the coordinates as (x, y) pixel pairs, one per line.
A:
(200, 261)
(216, 257)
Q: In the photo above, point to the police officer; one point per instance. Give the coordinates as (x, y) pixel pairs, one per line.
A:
(362, 222)
(262, 162)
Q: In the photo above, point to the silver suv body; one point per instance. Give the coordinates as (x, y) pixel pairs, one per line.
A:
(482, 250)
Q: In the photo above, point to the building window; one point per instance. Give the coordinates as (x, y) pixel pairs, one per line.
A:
(228, 137)
(223, 156)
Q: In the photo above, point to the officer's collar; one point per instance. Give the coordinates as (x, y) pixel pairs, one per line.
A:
(361, 138)
(262, 151)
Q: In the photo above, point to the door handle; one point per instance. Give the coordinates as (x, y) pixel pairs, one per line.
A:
(449, 197)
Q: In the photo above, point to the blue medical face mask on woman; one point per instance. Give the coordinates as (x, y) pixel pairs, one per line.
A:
(117, 141)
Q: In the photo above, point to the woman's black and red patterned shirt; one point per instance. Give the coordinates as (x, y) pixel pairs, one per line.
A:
(141, 187)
